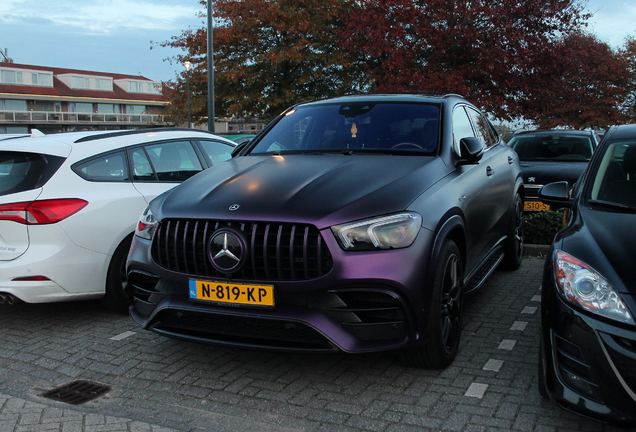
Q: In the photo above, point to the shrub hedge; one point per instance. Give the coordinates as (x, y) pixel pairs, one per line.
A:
(541, 227)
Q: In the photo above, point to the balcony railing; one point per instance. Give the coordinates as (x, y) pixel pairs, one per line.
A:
(79, 118)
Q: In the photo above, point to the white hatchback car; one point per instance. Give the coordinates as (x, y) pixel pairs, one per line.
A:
(69, 203)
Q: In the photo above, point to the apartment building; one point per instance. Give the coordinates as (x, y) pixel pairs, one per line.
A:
(58, 100)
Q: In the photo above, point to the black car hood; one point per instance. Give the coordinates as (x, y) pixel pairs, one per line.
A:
(320, 189)
(544, 172)
(606, 242)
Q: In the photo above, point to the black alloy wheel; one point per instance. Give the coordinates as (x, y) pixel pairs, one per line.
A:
(450, 313)
(513, 245)
(444, 320)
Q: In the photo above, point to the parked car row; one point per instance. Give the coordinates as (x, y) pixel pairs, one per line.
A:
(354, 224)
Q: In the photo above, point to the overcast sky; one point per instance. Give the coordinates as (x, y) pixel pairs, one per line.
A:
(115, 36)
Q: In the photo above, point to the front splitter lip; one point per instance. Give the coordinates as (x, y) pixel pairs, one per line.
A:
(341, 339)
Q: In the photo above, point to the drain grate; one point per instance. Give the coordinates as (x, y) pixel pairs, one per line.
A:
(77, 392)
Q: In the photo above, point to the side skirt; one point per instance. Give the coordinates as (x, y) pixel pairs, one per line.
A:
(485, 269)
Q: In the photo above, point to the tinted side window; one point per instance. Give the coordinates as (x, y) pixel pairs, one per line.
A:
(141, 165)
(110, 168)
(217, 151)
(482, 128)
(20, 171)
(174, 161)
(461, 127)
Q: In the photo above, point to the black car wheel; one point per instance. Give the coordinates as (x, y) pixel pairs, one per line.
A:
(513, 245)
(115, 298)
(445, 317)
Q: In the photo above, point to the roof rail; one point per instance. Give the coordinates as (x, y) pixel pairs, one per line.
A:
(125, 132)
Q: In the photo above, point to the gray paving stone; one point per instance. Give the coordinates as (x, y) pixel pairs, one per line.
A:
(161, 384)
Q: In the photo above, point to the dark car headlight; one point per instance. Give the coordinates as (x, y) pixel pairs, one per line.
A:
(385, 232)
(583, 286)
(146, 225)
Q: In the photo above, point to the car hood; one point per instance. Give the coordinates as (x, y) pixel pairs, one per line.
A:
(542, 172)
(606, 241)
(319, 189)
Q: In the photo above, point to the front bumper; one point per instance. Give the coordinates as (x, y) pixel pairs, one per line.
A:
(368, 302)
(590, 364)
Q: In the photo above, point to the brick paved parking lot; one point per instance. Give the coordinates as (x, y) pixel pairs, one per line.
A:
(159, 384)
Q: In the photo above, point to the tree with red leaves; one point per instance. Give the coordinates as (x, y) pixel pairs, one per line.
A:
(487, 50)
(587, 89)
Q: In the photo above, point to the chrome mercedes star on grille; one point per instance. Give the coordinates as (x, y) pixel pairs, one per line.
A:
(225, 251)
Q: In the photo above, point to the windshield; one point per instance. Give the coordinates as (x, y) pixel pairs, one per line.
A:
(552, 147)
(615, 180)
(358, 126)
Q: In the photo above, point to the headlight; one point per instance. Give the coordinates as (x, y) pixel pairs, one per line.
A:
(386, 232)
(147, 225)
(582, 285)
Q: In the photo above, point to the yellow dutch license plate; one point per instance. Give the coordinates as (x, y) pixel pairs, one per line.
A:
(535, 205)
(232, 294)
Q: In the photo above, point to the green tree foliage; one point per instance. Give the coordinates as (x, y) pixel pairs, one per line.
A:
(269, 54)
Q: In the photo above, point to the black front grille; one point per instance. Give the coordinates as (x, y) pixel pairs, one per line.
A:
(277, 251)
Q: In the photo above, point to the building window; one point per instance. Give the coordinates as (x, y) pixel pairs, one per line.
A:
(7, 77)
(81, 107)
(45, 80)
(15, 105)
(133, 86)
(43, 106)
(107, 109)
(135, 109)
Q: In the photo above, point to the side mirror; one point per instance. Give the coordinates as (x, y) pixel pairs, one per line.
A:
(556, 194)
(471, 150)
(239, 148)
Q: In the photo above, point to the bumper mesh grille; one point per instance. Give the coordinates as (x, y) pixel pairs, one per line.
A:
(277, 251)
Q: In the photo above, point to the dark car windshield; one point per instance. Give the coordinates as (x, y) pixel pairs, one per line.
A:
(615, 180)
(21, 171)
(552, 147)
(358, 126)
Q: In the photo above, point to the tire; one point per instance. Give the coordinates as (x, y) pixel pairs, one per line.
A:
(445, 315)
(115, 298)
(513, 245)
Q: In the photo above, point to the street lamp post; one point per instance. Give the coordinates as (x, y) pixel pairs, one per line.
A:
(187, 65)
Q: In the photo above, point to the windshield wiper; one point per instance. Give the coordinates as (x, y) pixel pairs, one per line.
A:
(612, 205)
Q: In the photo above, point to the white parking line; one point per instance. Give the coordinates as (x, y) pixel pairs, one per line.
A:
(519, 325)
(529, 310)
(493, 365)
(123, 335)
(476, 390)
(536, 298)
(507, 344)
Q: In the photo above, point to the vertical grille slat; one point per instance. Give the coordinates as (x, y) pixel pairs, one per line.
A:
(265, 255)
(306, 253)
(184, 248)
(292, 264)
(279, 262)
(194, 247)
(278, 251)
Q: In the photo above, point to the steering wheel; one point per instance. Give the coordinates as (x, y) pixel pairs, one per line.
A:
(407, 144)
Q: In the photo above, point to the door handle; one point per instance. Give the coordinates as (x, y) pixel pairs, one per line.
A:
(511, 160)
(489, 171)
